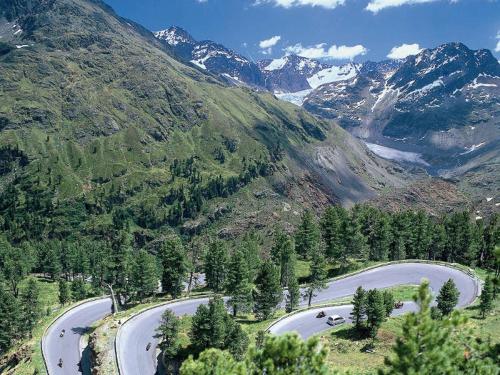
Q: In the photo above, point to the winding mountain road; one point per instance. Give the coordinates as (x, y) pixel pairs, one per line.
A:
(76, 322)
(134, 336)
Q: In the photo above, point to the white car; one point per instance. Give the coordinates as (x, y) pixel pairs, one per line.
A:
(335, 320)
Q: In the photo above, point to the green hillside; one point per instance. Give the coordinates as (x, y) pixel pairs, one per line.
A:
(96, 115)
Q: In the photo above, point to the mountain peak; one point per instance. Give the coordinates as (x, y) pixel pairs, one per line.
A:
(175, 35)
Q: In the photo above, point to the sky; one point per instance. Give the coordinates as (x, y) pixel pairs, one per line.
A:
(334, 30)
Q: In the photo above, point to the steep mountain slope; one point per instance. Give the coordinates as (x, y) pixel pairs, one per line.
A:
(96, 115)
(442, 103)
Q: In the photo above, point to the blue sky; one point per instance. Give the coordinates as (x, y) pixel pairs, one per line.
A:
(337, 30)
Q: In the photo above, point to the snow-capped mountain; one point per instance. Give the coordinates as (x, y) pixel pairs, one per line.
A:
(293, 77)
(212, 57)
(290, 77)
(442, 102)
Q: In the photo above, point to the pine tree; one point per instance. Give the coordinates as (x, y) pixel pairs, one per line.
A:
(212, 327)
(284, 257)
(388, 302)
(251, 249)
(15, 267)
(358, 313)
(486, 298)
(288, 354)
(216, 261)
(333, 231)
(317, 279)
(268, 293)
(428, 347)
(9, 319)
(78, 289)
(64, 292)
(208, 327)
(168, 333)
(174, 266)
(448, 297)
(307, 236)
(213, 362)
(381, 239)
(236, 340)
(145, 271)
(375, 311)
(293, 295)
(31, 307)
(356, 243)
(238, 286)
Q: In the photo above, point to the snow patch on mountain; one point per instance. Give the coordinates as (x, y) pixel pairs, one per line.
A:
(296, 98)
(473, 148)
(276, 64)
(398, 155)
(333, 74)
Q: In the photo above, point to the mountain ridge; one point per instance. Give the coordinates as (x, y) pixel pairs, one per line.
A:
(97, 115)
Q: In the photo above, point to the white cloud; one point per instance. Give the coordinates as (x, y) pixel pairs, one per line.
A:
(404, 50)
(497, 48)
(322, 51)
(271, 42)
(328, 4)
(267, 45)
(377, 5)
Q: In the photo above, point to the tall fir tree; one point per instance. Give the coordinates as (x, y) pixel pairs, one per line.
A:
(332, 225)
(358, 313)
(216, 263)
(145, 271)
(174, 266)
(447, 298)
(31, 306)
(9, 319)
(268, 292)
(308, 235)
(388, 302)
(238, 285)
(64, 292)
(78, 289)
(284, 256)
(356, 242)
(292, 295)
(317, 279)
(168, 333)
(375, 311)
(487, 297)
(381, 239)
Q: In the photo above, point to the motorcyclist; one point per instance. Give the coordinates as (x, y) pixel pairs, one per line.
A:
(60, 364)
(62, 333)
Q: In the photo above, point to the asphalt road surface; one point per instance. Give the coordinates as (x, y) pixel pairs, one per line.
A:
(134, 336)
(75, 322)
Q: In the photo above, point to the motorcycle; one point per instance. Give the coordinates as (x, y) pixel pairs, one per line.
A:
(60, 364)
(148, 346)
(398, 305)
(321, 314)
(62, 333)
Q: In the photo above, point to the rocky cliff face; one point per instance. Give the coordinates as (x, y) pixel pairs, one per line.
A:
(442, 103)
